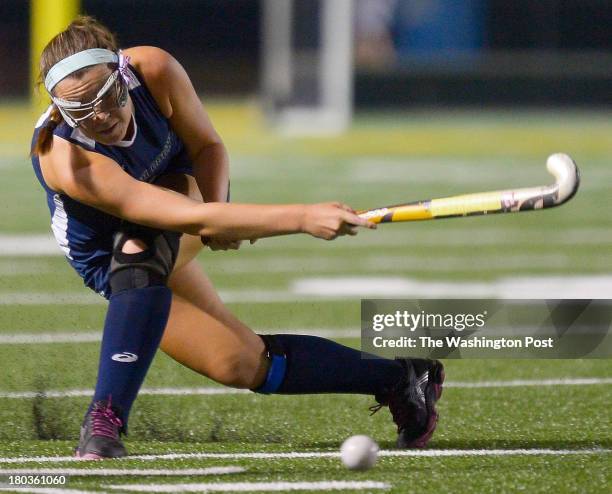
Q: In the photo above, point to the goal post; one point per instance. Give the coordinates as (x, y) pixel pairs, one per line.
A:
(307, 65)
(47, 18)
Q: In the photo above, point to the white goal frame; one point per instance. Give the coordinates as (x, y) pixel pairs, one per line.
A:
(331, 62)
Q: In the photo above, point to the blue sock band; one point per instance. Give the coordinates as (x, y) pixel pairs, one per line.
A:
(276, 374)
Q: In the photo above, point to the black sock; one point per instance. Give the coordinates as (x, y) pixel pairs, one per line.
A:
(318, 365)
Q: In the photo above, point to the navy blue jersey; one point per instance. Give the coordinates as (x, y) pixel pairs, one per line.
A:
(85, 234)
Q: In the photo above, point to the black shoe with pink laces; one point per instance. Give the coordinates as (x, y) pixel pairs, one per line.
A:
(412, 401)
(100, 433)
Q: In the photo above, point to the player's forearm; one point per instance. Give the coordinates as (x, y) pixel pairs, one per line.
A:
(248, 221)
(211, 171)
(152, 206)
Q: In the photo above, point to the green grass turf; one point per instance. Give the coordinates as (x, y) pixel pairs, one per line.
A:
(572, 473)
(384, 159)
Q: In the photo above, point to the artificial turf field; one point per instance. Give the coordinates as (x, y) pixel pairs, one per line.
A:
(506, 425)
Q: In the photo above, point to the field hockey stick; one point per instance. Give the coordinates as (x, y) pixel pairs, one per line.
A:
(561, 166)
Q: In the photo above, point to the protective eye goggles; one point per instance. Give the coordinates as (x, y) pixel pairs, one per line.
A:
(113, 94)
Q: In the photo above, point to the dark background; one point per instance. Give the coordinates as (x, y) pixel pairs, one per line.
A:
(533, 52)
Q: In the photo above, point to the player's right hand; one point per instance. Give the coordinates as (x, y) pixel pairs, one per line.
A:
(332, 219)
(220, 243)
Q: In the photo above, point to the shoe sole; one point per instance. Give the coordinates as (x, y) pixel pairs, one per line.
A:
(89, 456)
(95, 456)
(433, 392)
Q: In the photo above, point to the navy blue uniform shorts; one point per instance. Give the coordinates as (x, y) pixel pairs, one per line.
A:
(95, 269)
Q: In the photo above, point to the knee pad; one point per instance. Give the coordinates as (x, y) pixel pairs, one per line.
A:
(151, 267)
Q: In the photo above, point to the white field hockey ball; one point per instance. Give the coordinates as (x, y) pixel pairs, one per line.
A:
(359, 452)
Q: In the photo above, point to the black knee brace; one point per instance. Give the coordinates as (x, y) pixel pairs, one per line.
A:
(151, 267)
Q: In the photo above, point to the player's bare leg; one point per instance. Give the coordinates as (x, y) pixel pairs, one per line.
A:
(203, 335)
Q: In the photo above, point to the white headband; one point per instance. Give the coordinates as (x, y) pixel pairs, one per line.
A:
(78, 61)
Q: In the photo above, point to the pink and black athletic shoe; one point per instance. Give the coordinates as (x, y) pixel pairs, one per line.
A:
(100, 433)
(412, 401)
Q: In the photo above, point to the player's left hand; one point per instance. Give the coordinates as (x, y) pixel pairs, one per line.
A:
(221, 243)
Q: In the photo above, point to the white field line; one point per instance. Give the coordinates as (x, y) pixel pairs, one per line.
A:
(375, 263)
(393, 264)
(390, 453)
(334, 485)
(329, 263)
(114, 472)
(49, 298)
(542, 287)
(45, 338)
(29, 245)
(388, 236)
(354, 287)
(456, 175)
(419, 453)
(45, 244)
(212, 391)
(26, 338)
(449, 172)
(76, 393)
(584, 381)
(45, 490)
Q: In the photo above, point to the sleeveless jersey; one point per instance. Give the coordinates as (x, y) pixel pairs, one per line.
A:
(85, 234)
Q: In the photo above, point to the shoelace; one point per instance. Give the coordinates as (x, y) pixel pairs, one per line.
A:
(397, 408)
(105, 422)
(399, 414)
(402, 416)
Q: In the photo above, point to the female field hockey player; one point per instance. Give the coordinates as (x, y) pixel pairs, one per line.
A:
(137, 181)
